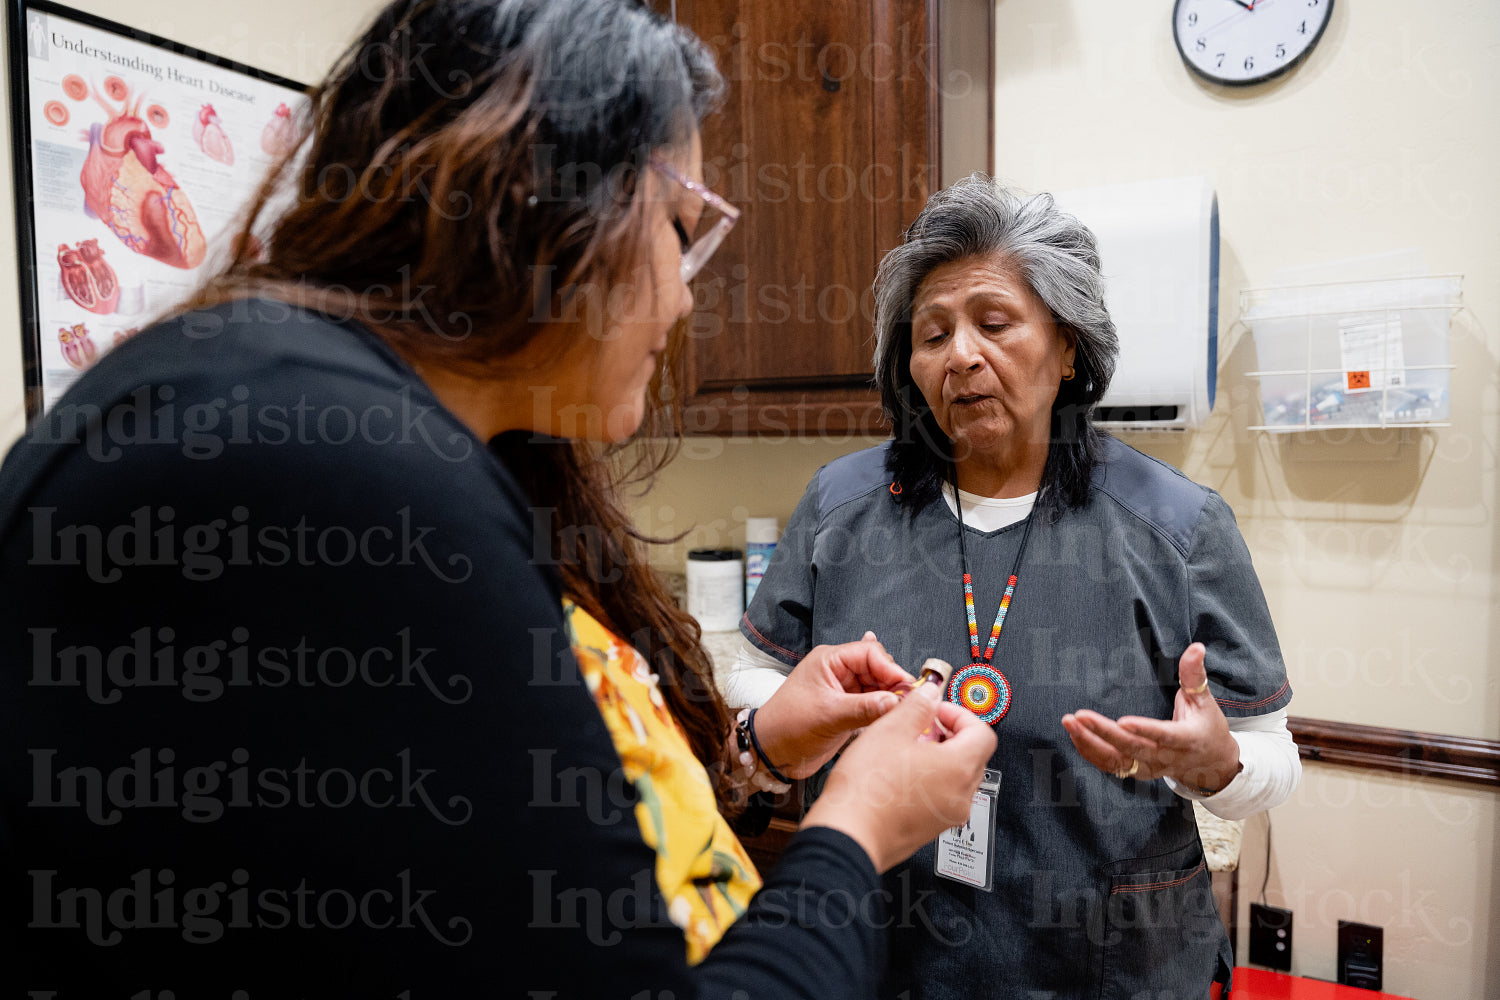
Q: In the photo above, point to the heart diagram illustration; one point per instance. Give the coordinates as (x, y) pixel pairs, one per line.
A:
(126, 186)
(208, 132)
(78, 350)
(87, 277)
(279, 137)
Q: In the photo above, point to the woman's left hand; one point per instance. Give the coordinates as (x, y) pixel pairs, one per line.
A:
(1194, 749)
(834, 691)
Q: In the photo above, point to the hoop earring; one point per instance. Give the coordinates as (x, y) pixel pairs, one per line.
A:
(1069, 376)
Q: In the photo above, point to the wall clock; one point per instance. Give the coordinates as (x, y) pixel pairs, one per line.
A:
(1239, 42)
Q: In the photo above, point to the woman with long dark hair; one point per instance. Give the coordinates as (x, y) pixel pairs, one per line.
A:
(333, 666)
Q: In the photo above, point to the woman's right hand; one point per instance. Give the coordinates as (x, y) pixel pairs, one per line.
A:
(892, 793)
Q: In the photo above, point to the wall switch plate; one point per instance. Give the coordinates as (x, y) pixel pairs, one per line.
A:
(1271, 937)
(1361, 950)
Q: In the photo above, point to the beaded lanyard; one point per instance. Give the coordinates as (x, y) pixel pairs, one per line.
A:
(980, 687)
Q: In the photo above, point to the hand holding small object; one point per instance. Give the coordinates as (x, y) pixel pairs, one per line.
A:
(834, 691)
(892, 791)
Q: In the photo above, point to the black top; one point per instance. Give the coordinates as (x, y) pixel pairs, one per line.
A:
(286, 707)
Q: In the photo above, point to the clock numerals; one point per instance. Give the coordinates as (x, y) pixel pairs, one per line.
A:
(1251, 41)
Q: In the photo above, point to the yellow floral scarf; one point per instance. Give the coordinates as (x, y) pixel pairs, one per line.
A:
(702, 869)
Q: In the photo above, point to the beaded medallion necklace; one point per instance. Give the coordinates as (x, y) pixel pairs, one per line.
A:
(980, 687)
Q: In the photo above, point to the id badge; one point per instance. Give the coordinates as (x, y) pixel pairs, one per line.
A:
(966, 853)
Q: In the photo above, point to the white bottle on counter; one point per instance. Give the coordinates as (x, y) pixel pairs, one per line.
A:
(760, 542)
(716, 588)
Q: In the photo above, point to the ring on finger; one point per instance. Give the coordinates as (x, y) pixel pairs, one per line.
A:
(1128, 772)
(1200, 688)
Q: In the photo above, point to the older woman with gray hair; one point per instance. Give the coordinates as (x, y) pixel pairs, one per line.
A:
(1131, 665)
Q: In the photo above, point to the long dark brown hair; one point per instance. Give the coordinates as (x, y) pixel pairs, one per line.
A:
(468, 170)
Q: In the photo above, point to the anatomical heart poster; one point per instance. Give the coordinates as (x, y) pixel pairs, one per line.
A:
(135, 159)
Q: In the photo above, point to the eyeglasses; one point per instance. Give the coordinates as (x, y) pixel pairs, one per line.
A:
(714, 224)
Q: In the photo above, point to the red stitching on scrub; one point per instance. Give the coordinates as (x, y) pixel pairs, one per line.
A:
(749, 625)
(1253, 704)
(1160, 885)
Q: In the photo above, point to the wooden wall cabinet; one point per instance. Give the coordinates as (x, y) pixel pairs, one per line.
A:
(828, 142)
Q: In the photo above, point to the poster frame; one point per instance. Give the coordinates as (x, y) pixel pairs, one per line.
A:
(29, 265)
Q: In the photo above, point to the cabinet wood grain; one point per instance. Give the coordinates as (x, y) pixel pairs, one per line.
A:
(828, 143)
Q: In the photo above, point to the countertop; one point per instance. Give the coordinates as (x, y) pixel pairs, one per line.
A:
(721, 648)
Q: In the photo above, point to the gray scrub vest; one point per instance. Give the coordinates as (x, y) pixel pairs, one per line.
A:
(1100, 887)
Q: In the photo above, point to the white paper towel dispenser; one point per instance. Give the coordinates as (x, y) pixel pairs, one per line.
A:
(1159, 246)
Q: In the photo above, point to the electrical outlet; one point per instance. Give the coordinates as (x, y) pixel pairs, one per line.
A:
(1361, 948)
(1271, 937)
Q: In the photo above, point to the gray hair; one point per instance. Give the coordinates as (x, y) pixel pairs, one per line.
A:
(1058, 257)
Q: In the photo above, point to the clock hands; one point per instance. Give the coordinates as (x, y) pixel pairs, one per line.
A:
(1214, 30)
(1239, 47)
(1251, 6)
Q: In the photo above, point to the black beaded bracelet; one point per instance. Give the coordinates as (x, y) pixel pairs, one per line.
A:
(761, 754)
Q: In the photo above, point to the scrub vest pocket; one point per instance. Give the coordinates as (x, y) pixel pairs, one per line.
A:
(1161, 935)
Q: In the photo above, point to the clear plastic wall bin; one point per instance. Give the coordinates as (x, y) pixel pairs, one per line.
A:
(1353, 354)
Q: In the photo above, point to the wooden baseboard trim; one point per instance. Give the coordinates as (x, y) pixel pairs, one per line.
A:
(1403, 751)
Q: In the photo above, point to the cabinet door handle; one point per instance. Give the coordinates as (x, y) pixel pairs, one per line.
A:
(831, 84)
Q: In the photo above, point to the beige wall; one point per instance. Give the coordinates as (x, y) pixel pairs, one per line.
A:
(1378, 554)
